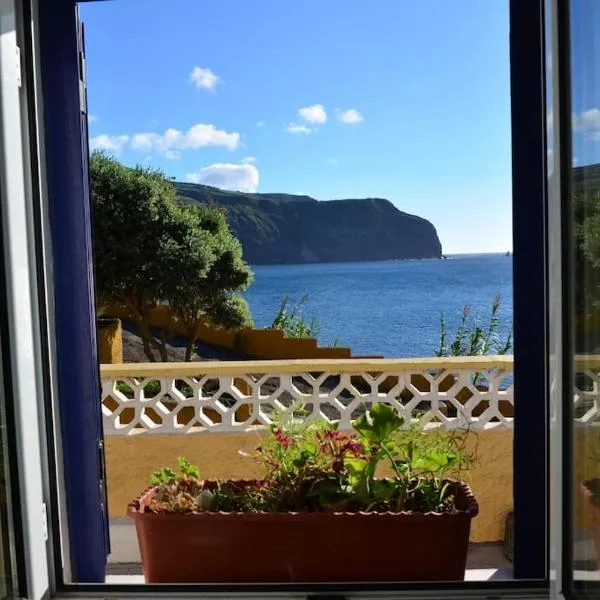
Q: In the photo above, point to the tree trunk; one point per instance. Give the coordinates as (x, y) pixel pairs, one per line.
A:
(161, 346)
(146, 336)
(191, 329)
(189, 349)
(149, 341)
(147, 350)
(140, 324)
(162, 349)
(140, 317)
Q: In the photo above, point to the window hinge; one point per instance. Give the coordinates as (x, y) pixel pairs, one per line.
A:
(18, 58)
(44, 522)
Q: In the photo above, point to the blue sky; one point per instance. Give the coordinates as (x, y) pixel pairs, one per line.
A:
(585, 91)
(401, 99)
(585, 84)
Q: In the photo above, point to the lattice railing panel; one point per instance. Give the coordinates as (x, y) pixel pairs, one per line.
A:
(586, 397)
(474, 398)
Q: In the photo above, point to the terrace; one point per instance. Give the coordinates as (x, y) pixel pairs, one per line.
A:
(210, 411)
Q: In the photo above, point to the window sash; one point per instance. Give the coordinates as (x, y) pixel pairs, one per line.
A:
(24, 357)
(530, 254)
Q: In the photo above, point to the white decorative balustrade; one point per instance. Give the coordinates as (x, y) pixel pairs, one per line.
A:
(586, 410)
(184, 398)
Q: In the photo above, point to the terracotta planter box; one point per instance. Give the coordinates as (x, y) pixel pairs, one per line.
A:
(304, 547)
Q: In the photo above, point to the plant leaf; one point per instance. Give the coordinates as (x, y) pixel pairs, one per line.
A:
(433, 461)
(378, 423)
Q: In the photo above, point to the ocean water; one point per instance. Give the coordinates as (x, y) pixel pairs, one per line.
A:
(388, 308)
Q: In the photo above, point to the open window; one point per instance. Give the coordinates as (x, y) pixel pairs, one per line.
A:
(197, 400)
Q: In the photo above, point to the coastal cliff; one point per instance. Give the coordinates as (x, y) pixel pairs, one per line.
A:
(288, 229)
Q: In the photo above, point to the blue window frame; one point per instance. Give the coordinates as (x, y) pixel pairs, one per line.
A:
(70, 221)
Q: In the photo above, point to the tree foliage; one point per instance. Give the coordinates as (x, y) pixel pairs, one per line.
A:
(149, 248)
(586, 261)
(586, 230)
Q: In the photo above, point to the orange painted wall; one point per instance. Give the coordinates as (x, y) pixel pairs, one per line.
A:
(267, 344)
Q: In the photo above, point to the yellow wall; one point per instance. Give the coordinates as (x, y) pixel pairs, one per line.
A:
(260, 343)
(587, 466)
(110, 342)
(130, 461)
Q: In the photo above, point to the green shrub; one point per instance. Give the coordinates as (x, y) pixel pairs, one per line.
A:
(292, 322)
(473, 338)
(152, 388)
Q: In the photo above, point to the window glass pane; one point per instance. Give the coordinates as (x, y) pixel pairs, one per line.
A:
(554, 299)
(583, 252)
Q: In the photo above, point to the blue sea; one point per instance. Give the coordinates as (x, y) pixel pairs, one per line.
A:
(388, 308)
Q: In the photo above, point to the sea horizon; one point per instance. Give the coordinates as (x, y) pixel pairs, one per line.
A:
(387, 260)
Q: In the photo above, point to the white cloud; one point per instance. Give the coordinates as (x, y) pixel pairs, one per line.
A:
(172, 141)
(588, 122)
(112, 143)
(313, 114)
(227, 176)
(350, 116)
(145, 141)
(332, 162)
(200, 135)
(204, 78)
(92, 119)
(588, 119)
(261, 123)
(249, 160)
(295, 128)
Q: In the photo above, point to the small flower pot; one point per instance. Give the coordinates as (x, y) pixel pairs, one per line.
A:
(304, 547)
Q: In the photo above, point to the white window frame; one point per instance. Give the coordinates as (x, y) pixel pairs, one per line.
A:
(19, 254)
(554, 318)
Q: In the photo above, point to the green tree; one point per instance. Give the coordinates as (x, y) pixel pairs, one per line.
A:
(149, 248)
(586, 230)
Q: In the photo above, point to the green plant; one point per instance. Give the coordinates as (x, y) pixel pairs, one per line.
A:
(149, 248)
(184, 491)
(292, 322)
(472, 338)
(308, 465)
(152, 388)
